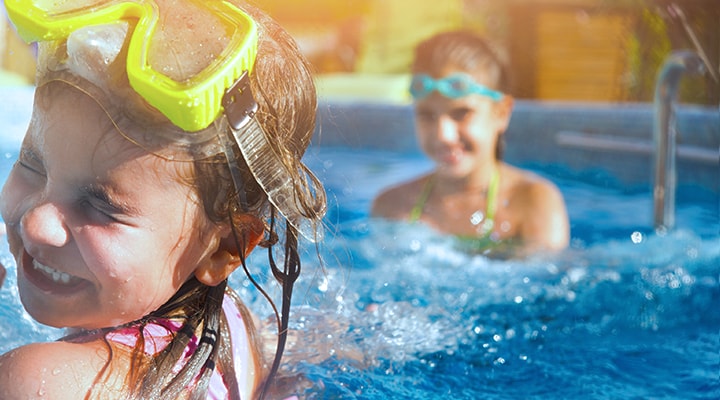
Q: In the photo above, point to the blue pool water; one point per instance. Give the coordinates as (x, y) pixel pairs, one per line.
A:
(624, 313)
(397, 312)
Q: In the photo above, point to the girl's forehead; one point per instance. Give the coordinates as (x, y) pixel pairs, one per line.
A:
(61, 107)
(59, 103)
(70, 130)
(445, 70)
(436, 103)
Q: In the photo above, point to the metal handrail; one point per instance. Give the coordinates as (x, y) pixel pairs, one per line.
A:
(665, 133)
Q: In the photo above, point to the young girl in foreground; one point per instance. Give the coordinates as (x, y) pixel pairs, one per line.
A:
(461, 113)
(136, 194)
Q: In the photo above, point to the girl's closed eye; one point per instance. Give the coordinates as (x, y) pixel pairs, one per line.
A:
(97, 212)
(28, 160)
(426, 116)
(461, 114)
(99, 205)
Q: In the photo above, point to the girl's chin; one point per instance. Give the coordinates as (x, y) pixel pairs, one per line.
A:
(452, 171)
(450, 158)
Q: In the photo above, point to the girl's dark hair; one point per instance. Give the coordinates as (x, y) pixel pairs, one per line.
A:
(464, 50)
(283, 87)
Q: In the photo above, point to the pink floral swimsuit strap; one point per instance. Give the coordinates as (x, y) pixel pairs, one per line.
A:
(158, 334)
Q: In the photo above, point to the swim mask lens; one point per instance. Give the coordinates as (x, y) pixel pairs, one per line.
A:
(191, 104)
(454, 86)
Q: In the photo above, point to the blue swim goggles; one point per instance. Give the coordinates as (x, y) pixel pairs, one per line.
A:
(454, 86)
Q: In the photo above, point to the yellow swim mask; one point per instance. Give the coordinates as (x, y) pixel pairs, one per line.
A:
(192, 104)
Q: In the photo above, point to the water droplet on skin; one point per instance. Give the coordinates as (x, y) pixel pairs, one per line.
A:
(477, 217)
(42, 392)
(505, 226)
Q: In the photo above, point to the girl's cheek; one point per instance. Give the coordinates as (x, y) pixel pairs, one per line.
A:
(10, 197)
(10, 209)
(16, 198)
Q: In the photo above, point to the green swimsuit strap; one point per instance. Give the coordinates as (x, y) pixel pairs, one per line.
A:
(485, 241)
(417, 210)
(492, 195)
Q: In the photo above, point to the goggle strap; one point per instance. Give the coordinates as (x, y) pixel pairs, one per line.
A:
(239, 104)
(264, 163)
(422, 85)
(235, 173)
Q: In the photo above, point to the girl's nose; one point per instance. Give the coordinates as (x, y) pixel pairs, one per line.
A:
(447, 129)
(44, 224)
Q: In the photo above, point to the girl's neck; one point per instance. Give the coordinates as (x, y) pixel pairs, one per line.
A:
(478, 181)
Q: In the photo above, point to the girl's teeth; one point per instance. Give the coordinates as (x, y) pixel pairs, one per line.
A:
(55, 275)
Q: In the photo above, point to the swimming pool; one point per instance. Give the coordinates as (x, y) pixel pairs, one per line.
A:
(398, 312)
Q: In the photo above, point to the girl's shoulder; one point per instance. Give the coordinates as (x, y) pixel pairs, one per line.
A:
(528, 187)
(54, 370)
(538, 208)
(397, 200)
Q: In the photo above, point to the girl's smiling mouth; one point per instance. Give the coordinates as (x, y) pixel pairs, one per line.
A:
(55, 275)
(49, 279)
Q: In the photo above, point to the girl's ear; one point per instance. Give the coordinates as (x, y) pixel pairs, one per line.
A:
(503, 110)
(227, 256)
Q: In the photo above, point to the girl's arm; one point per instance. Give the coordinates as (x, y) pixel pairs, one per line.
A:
(546, 225)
